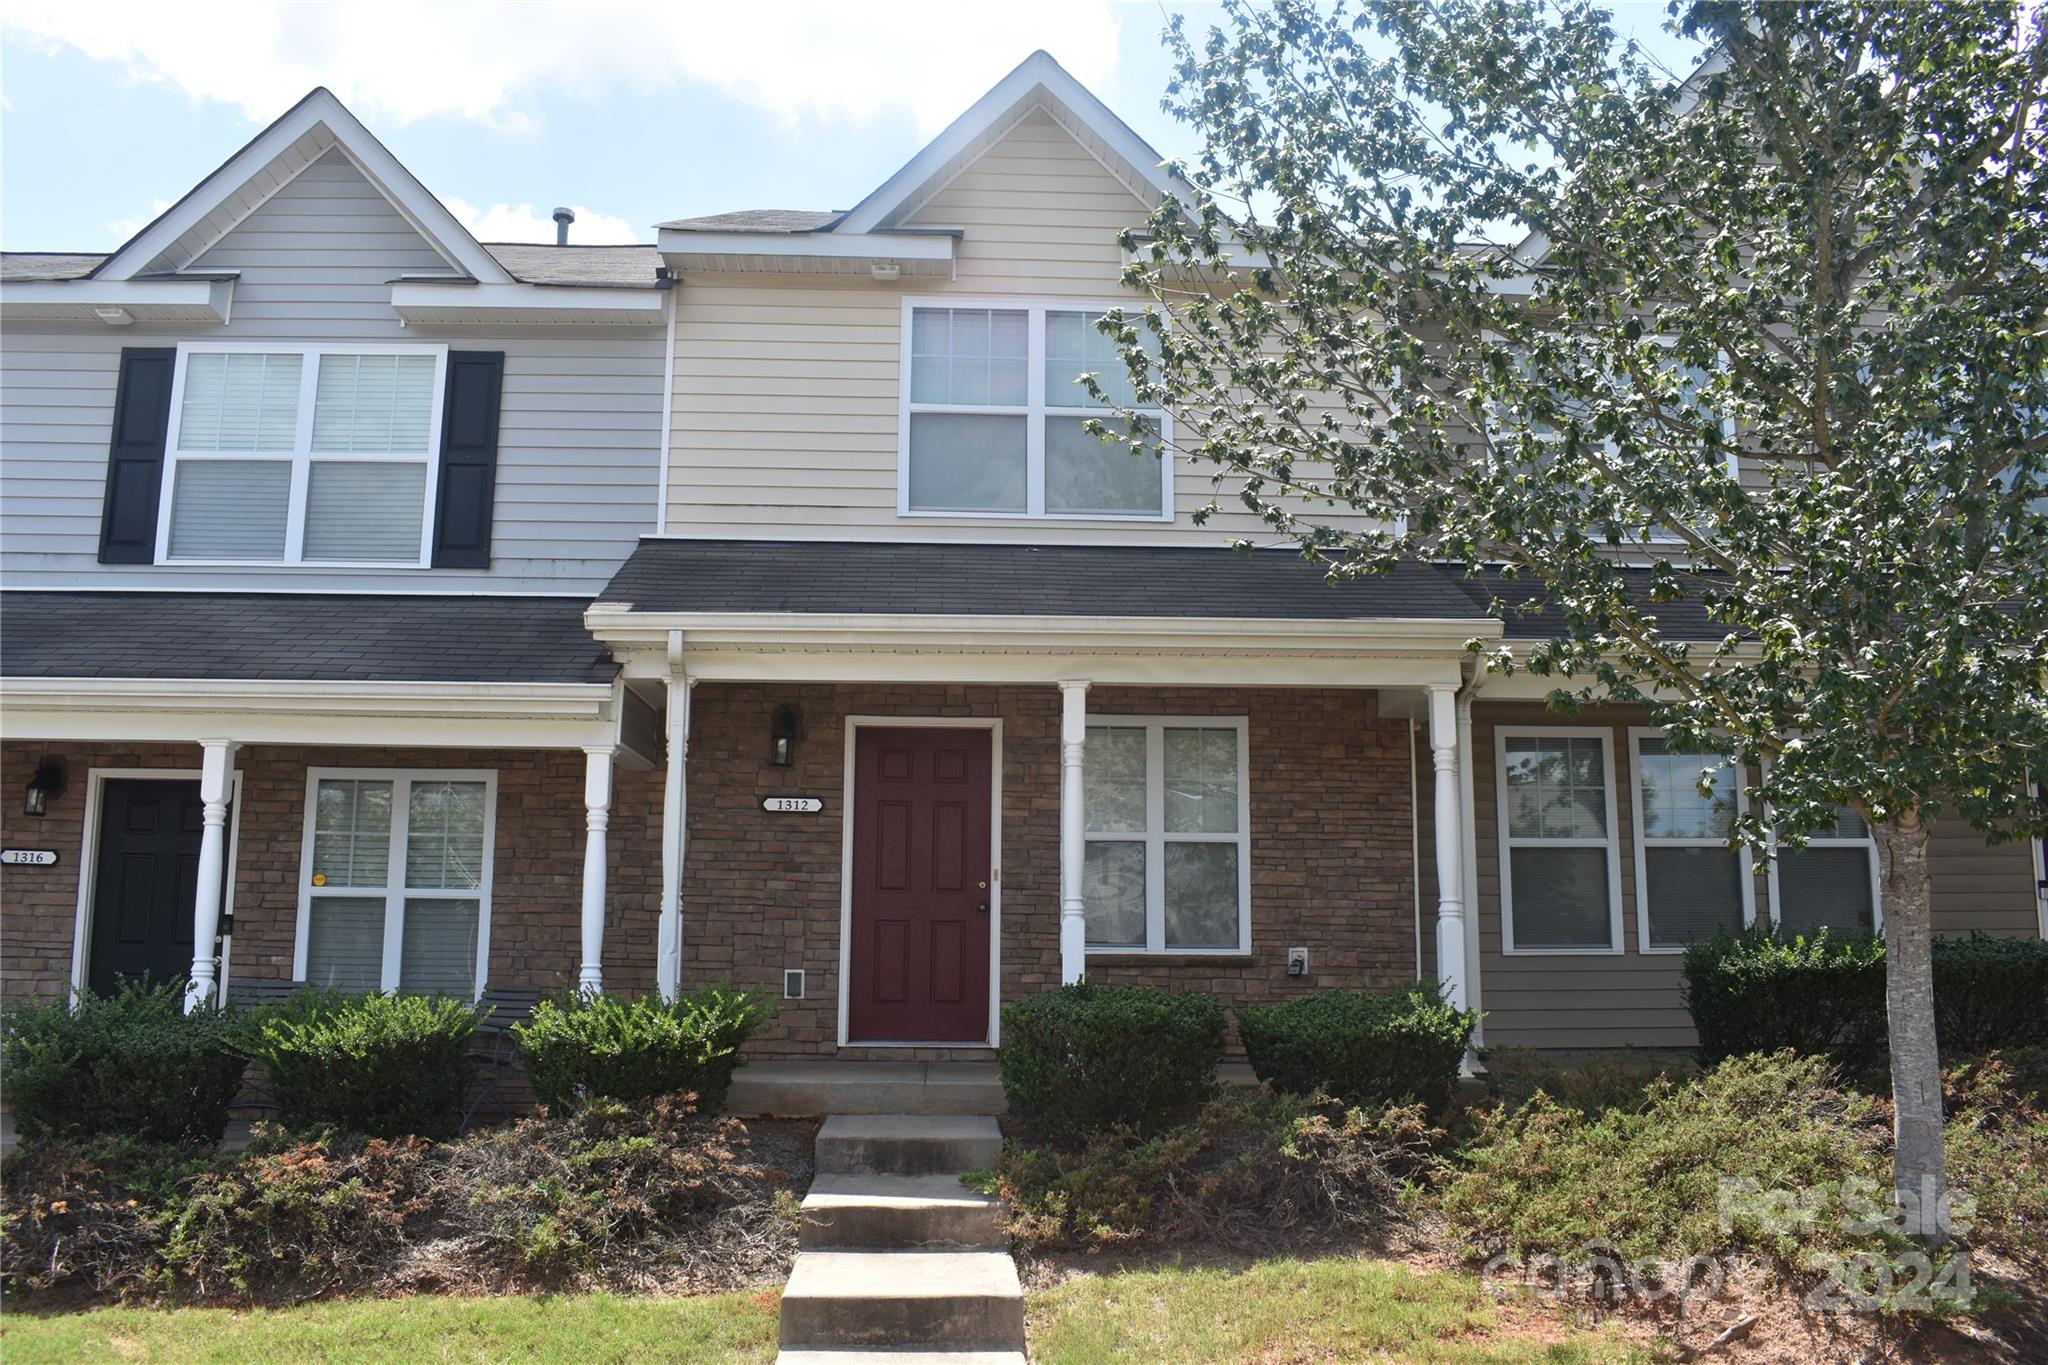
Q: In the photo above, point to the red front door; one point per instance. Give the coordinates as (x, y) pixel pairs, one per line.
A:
(921, 896)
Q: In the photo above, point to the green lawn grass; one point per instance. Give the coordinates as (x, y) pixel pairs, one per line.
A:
(715, 1329)
(1341, 1309)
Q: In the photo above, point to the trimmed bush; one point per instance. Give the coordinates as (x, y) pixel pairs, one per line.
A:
(1083, 1059)
(586, 1046)
(132, 1064)
(1824, 995)
(379, 1065)
(1359, 1047)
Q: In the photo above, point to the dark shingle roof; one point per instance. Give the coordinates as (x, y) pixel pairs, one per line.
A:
(303, 637)
(1530, 616)
(599, 267)
(1019, 580)
(758, 220)
(47, 265)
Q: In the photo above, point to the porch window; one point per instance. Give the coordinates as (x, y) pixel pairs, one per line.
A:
(1690, 878)
(1560, 859)
(284, 454)
(1831, 883)
(1168, 862)
(992, 417)
(395, 886)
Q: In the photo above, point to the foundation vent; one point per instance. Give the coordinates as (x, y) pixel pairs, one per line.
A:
(792, 983)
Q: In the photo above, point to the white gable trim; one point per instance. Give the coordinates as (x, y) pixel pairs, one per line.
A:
(1021, 88)
(319, 110)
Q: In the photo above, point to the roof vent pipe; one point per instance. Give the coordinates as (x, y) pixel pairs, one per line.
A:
(563, 217)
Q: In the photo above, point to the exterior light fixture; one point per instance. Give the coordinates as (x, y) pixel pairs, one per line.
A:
(45, 786)
(886, 272)
(783, 734)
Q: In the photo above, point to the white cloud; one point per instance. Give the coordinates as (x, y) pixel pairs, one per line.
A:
(124, 228)
(403, 61)
(525, 223)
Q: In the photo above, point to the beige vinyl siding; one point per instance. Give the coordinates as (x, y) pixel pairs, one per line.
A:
(579, 430)
(786, 389)
(1634, 999)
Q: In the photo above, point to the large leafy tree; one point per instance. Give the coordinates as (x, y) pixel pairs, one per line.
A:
(1770, 336)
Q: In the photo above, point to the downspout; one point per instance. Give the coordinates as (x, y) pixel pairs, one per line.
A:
(668, 410)
(1468, 817)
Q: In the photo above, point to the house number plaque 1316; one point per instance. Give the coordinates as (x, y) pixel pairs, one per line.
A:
(793, 805)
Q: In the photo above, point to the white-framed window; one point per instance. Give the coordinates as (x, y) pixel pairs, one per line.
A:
(1560, 855)
(285, 453)
(1167, 867)
(1690, 878)
(991, 416)
(1832, 882)
(395, 880)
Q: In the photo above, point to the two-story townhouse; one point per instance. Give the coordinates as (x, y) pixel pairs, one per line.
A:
(909, 698)
(304, 492)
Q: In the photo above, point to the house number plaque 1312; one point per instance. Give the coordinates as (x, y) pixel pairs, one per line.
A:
(793, 805)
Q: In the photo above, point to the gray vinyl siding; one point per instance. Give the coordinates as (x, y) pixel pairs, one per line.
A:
(1634, 999)
(580, 424)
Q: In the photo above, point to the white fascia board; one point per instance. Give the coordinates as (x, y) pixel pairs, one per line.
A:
(1018, 667)
(887, 246)
(1037, 71)
(420, 208)
(507, 302)
(123, 697)
(198, 299)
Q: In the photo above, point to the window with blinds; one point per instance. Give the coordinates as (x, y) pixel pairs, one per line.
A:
(1831, 883)
(396, 887)
(1691, 880)
(994, 417)
(302, 455)
(1560, 877)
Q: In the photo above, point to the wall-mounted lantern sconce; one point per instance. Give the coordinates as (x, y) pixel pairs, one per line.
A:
(46, 786)
(783, 733)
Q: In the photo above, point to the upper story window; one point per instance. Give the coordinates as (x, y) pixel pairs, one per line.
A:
(285, 454)
(991, 421)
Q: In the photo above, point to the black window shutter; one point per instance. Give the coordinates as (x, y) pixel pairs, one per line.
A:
(469, 460)
(135, 456)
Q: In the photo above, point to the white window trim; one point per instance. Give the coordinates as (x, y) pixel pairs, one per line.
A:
(302, 455)
(1155, 838)
(1034, 411)
(1868, 843)
(1745, 869)
(1612, 843)
(395, 893)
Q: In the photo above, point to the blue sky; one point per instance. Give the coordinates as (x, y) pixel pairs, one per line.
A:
(633, 110)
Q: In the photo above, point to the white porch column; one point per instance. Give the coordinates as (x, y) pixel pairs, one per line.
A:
(216, 788)
(597, 808)
(1469, 849)
(1450, 844)
(1073, 830)
(668, 967)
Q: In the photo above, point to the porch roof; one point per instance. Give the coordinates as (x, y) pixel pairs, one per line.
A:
(299, 637)
(869, 578)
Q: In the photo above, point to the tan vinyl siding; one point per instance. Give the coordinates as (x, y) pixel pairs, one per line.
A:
(1634, 999)
(579, 431)
(785, 420)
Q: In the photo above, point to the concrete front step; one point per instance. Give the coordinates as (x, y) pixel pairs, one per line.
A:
(906, 1144)
(815, 1089)
(900, 1358)
(903, 1300)
(907, 1211)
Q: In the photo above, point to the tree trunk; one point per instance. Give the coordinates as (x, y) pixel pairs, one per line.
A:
(1919, 1163)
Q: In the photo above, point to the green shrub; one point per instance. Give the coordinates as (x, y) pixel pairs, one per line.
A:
(1647, 1181)
(1252, 1170)
(1756, 992)
(133, 1064)
(585, 1046)
(1084, 1058)
(1997, 1139)
(1359, 1047)
(380, 1065)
